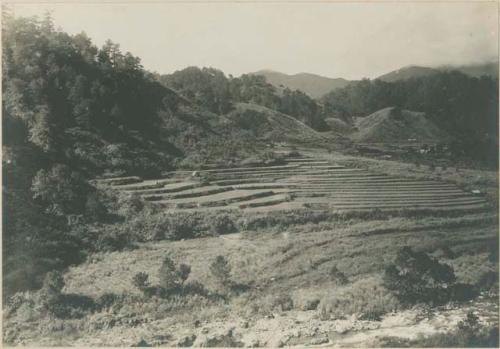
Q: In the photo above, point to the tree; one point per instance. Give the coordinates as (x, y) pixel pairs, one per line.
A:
(61, 190)
(50, 294)
(171, 275)
(416, 277)
(140, 280)
(221, 270)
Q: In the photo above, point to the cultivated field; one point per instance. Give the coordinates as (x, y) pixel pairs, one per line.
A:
(303, 182)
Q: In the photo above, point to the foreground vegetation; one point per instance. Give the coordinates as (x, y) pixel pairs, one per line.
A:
(327, 267)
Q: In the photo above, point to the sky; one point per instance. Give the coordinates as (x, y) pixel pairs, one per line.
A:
(335, 39)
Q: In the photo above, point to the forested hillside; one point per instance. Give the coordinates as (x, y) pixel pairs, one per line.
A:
(73, 112)
(211, 89)
(464, 107)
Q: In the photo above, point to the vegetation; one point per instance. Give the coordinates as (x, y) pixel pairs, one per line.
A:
(221, 270)
(471, 121)
(469, 333)
(73, 112)
(415, 277)
(211, 89)
(172, 276)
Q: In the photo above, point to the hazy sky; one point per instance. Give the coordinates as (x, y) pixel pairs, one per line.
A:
(350, 40)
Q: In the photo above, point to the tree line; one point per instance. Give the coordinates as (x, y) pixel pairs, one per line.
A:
(463, 106)
(213, 90)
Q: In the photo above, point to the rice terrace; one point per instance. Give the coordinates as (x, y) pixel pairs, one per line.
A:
(303, 182)
(161, 202)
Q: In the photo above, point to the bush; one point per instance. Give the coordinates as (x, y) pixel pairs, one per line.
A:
(53, 282)
(95, 209)
(488, 281)
(49, 296)
(110, 239)
(222, 224)
(461, 292)
(337, 276)
(367, 298)
(282, 302)
(415, 277)
(221, 270)
(130, 205)
(171, 276)
(108, 300)
(62, 190)
(140, 280)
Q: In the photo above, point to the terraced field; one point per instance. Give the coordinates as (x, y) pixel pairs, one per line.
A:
(303, 182)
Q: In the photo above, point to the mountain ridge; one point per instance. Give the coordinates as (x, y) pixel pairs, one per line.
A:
(316, 85)
(312, 84)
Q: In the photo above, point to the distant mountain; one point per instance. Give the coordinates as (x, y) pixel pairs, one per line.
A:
(314, 85)
(404, 73)
(414, 71)
(476, 70)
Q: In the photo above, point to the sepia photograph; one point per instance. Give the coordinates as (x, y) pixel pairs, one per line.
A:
(250, 173)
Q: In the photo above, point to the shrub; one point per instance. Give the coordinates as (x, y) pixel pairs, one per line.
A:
(461, 292)
(415, 277)
(310, 304)
(95, 209)
(337, 276)
(49, 296)
(282, 302)
(110, 239)
(222, 224)
(183, 272)
(221, 270)
(488, 281)
(140, 280)
(108, 300)
(367, 297)
(129, 204)
(22, 304)
(171, 276)
(61, 190)
(493, 253)
(195, 287)
(53, 282)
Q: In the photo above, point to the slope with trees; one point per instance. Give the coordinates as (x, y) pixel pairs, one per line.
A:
(464, 107)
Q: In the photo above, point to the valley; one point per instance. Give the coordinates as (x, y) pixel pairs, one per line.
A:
(190, 207)
(308, 248)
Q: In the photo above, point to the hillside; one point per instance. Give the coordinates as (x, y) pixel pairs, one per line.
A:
(287, 275)
(270, 125)
(404, 73)
(413, 71)
(312, 84)
(476, 70)
(394, 125)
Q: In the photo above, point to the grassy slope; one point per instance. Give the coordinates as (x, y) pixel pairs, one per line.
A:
(271, 125)
(294, 261)
(390, 125)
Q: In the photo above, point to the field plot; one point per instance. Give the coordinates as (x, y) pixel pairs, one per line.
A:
(306, 181)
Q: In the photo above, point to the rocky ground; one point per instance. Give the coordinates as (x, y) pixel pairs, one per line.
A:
(292, 328)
